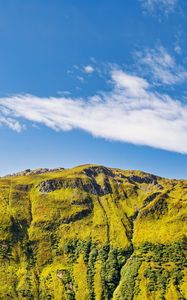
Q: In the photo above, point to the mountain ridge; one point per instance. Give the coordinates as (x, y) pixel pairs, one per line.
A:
(42, 170)
(92, 232)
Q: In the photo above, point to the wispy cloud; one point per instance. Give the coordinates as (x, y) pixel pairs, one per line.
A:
(165, 6)
(6, 120)
(131, 112)
(178, 49)
(11, 123)
(162, 66)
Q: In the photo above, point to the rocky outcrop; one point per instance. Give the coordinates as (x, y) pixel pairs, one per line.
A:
(50, 185)
(96, 170)
(156, 209)
(150, 198)
(23, 187)
(34, 172)
(90, 186)
(144, 179)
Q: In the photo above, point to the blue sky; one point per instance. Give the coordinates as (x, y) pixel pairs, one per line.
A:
(99, 81)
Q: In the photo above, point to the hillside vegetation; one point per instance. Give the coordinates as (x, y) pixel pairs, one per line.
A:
(92, 232)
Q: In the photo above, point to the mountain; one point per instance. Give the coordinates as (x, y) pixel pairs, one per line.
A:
(92, 232)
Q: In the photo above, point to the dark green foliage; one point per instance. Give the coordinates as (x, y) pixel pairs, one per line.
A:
(111, 259)
(68, 283)
(158, 279)
(129, 273)
(5, 250)
(91, 263)
(166, 253)
(72, 250)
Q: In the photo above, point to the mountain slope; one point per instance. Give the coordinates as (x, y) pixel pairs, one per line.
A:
(92, 232)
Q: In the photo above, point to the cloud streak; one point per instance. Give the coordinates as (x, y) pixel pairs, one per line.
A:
(162, 66)
(165, 6)
(131, 112)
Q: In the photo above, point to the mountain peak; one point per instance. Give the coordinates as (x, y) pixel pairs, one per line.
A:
(123, 231)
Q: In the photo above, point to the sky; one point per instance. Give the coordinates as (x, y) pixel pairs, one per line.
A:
(99, 81)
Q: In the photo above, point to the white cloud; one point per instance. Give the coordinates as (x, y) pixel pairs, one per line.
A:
(166, 6)
(130, 112)
(162, 66)
(88, 69)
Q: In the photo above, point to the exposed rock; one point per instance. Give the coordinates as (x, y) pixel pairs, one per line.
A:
(96, 170)
(34, 172)
(38, 171)
(78, 216)
(151, 198)
(23, 187)
(145, 179)
(93, 187)
(157, 209)
(50, 185)
(86, 201)
(106, 189)
(60, 273)
(21, 173)
(121, 175)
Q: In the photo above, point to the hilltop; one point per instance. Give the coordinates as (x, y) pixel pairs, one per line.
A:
(92, 232)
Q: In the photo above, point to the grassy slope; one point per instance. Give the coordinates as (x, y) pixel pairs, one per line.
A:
(93, 233)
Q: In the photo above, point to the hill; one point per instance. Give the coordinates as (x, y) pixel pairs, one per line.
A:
(92, 232)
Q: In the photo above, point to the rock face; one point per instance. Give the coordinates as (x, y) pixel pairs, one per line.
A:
(90, 185)
(34, 172)
(92, 232)
(145, 179)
